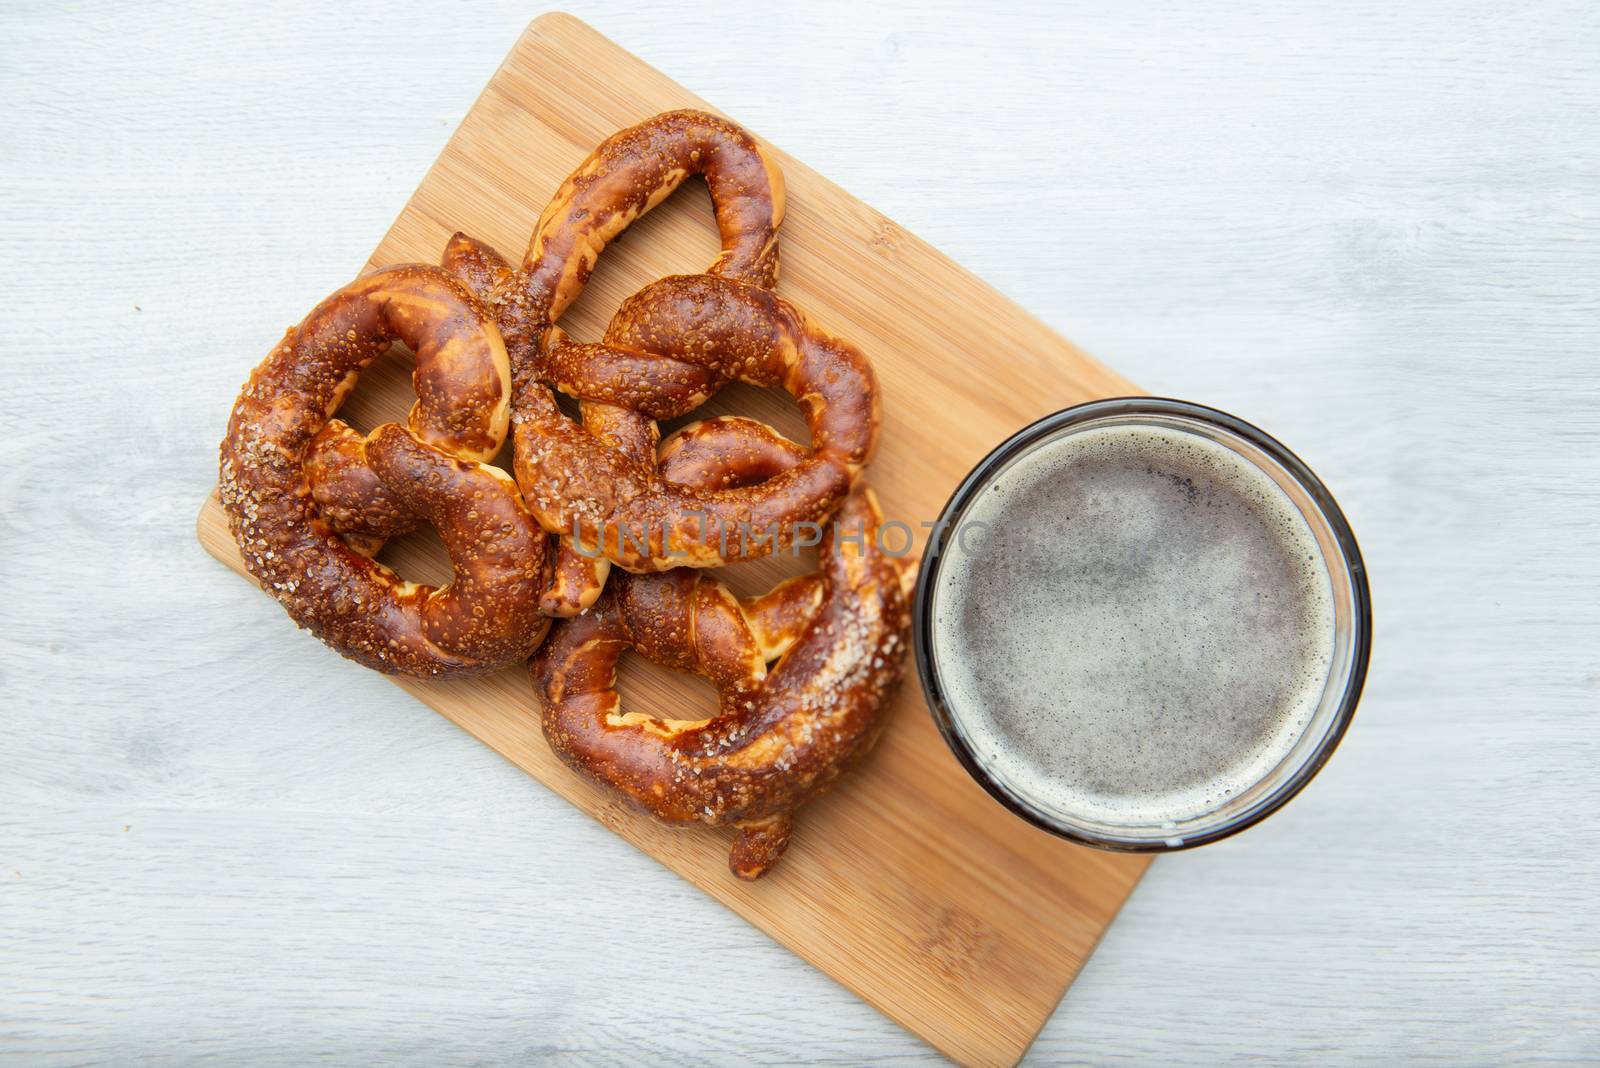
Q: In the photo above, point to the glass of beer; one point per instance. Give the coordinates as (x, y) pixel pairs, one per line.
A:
(1142, 624)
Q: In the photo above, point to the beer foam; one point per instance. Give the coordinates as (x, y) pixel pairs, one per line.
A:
(1131, 625)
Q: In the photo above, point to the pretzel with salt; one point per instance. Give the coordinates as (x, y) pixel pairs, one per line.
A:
(803, 673)
(782, 733)
(292, 477)
(668, 348)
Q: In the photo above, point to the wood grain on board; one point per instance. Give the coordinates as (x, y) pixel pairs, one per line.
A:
(906, 883)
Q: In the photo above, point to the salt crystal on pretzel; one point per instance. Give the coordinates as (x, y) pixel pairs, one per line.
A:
(781, 734)
(667, 349)
(432, 470)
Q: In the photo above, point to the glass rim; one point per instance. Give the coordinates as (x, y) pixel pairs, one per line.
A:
(1012, 447)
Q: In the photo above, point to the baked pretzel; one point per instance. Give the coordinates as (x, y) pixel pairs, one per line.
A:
(667, 350)
(291, 479)
(310, 500)
(781, 734)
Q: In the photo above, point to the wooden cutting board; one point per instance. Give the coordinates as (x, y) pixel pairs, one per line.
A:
(906, 883)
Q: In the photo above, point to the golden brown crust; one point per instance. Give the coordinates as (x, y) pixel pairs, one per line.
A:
(647, 523)
(726, 452)
(668, 349)
(803, 671)
(477, 265)
(631, 172)
(715, 492)
(780, 735)
(430, 470)
(349, 493)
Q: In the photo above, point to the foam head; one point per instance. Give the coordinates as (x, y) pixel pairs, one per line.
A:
(1133, 626)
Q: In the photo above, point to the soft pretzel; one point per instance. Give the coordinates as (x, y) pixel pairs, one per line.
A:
(349, 493)
(642, 521)
(668, 348)
(280, 440)
(803, 672)
(720, 453)
(781, 734)
(726, 452)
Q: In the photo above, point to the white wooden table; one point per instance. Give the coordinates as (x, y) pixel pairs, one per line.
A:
(1376, 233)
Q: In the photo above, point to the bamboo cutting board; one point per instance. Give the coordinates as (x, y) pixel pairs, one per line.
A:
(906, 883)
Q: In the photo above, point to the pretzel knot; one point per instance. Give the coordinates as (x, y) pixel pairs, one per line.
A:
(669, 347)
(293, 479)
(781, 734)
(803, 673)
